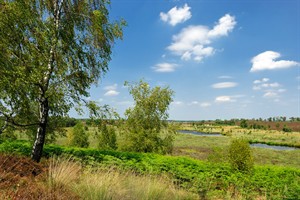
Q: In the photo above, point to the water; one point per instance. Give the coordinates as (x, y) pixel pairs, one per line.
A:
(200, 133)
(276, 147)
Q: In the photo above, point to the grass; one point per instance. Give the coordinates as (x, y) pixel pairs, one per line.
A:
(215, 149)
(112, 184)
(253, 135)
(210, 180)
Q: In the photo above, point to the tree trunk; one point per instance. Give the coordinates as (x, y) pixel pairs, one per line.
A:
(38, 145)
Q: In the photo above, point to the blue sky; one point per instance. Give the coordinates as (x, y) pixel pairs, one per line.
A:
(224, 59)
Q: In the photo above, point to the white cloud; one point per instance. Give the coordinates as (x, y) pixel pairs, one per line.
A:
(111, 90)
(194, 103)
(224, 99)
(205, 104)
(112, 93)
(224, 85)
(225, 77)
(263, 80)
(193, 42)
(270, 94)
(165, 67)
(176, 15)
(223, 27)
(264, 84)
(267, 61)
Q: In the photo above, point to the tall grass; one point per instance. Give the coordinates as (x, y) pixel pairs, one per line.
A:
(110, 184)
(63, 171)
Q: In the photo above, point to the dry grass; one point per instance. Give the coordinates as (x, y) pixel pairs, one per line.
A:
(63, 171)
(110, 183)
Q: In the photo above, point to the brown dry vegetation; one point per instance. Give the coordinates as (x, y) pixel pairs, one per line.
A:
(21, 178)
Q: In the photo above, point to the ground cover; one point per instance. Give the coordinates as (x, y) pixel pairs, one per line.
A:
(209, 180)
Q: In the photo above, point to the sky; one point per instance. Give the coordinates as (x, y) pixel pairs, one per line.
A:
(223, 59)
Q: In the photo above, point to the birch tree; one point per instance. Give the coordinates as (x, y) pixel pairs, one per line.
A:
(51, 52)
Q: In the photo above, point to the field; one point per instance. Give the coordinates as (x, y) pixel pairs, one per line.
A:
(198, 168)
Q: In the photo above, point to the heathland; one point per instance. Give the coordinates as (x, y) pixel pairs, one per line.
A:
(198, 168)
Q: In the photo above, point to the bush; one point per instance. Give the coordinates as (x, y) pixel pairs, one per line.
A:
(79, 137)
(286, 129)
(107, 138)
(240, 155)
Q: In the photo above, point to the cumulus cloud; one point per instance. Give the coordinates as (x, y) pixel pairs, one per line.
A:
(224, 85)
(165, 67)
(270, 95)
(176, 15)
(111, 90)
(271, 90)
(223, 27)
(268, 61)
(263, 80)
(264, 84)
(194, 42)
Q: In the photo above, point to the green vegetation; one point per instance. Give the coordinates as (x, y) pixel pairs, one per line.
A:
(146, 128)
(51, 53)
(215, 149)
(208, 180)
(240, 155)
(79, 137)
(107, 138)
(109, 183)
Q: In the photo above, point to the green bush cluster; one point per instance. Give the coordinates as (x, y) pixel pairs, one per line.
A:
(205, 178)
(79, 137)
(107, 138)
(240, 155)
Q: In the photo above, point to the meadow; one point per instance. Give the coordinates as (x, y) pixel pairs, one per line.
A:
(198, 168)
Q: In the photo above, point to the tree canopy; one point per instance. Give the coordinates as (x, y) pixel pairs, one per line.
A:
(147, 120)
(50, 54)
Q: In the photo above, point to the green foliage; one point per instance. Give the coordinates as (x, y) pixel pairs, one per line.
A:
(240, 155)
(79, 137)
(243, 124)
(206, 179)
(51, 53)
(286, 129)
(147, 119)
(107, 137)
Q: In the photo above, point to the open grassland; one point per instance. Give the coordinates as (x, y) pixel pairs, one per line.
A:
(253, 135)
(209, 180)
(215, 149)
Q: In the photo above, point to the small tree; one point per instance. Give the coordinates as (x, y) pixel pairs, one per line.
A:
(147, 119)
(79, 137)
(240, 155)
(244, 124)
(107, 138)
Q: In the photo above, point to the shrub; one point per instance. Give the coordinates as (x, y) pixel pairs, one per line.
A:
(107, 138)
(79, 137)
(240, 155)
(286, 129)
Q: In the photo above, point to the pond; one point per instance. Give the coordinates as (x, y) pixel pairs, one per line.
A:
(199, 133)
(276, 147)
